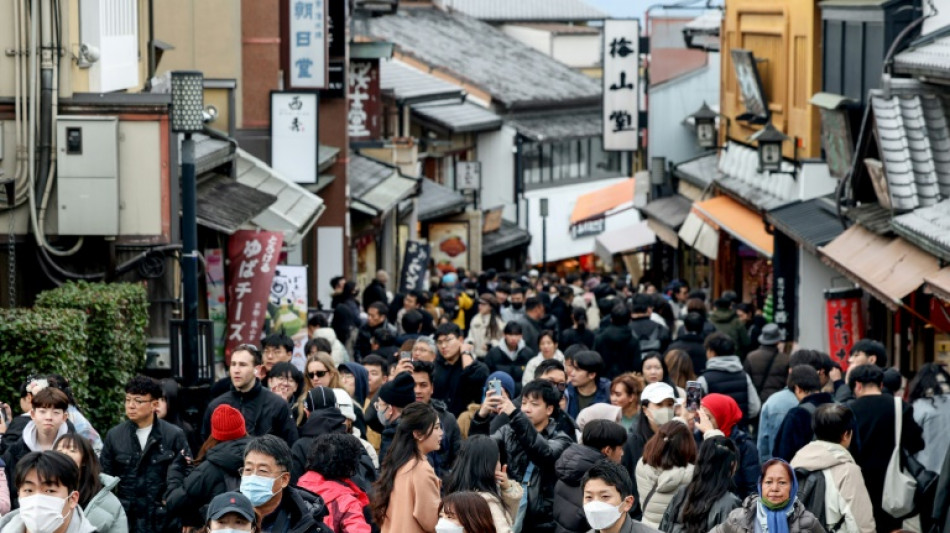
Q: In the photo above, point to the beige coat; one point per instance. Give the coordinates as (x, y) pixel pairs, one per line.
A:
(667, 482)
(414, 502)
(503, 517)
(851, 498)
(478, 334)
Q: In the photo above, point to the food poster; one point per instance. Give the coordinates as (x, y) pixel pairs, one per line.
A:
(287, 308)
(449, 245)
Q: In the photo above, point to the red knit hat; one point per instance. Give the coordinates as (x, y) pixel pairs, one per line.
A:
(227, 423)
(724, 409)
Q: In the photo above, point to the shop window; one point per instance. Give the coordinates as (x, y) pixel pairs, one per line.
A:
(569, 161)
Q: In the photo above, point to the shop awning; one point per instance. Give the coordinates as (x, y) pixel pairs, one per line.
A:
(598, 203)
(665, 216)
(225, 205)
(508, 236)
(623, 240)
(811, 223)
(437, 201)
(700, 171)
(410, 85)
(375, 188)
(700, 236)
(456, 117)
(737, 220)
(296, 209)
(938, 284)
(889, 269)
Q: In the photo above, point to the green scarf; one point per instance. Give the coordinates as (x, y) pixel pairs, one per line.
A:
(774, 506)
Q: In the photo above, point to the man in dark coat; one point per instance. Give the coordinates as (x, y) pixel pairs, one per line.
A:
(653, 336)
(459, 377)
(535, 321)
(618, 345)
(346, 316)
(767, 365)
(725, 319)
(561, 307)
(511, 355)
(264, 412)
(149, 456)
(796, 429)
(376, 290)
(691, 341)
(375, 321)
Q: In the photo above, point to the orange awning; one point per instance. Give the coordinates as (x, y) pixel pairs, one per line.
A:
(888, 268)
(737, 220)
(599, 202)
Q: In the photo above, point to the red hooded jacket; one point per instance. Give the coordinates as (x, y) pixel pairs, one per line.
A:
(345, 502)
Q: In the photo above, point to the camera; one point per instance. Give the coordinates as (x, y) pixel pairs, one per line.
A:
(88, 53)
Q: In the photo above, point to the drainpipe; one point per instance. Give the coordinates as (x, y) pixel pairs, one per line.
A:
(46, 101)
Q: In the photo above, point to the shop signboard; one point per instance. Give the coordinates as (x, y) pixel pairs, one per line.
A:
(364, 115)
(621, 102)
(588, 228)
(252, 261)
(293, 135)
(414, 267)
(784, 283)
(307, 28)
(750, 87)
(449, 243)
(845, 322)
(287, 308)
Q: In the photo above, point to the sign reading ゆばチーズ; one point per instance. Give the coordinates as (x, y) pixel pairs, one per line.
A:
(307, 35)
(621, 98)
(252, 257)
(414, 265)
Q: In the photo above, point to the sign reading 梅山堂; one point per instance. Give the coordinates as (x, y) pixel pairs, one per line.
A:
(414, 264)
(307, 32)
(621, 98)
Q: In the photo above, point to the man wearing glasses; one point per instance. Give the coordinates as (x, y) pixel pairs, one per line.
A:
(458, 376)
(264, 412)
(148, 455)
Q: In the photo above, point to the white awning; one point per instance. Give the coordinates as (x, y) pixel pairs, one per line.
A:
(296, 209)
(699, 235)
(623, 240)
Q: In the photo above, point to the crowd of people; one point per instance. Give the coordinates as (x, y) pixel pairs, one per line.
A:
(500, 403)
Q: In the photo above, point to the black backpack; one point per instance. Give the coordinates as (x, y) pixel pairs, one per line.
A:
(652, 342)
(811, 492)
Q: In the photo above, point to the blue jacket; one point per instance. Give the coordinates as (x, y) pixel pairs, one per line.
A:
(770, 420)
(601, 396)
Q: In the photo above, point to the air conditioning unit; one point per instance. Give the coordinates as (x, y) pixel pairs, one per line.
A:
(109, 43)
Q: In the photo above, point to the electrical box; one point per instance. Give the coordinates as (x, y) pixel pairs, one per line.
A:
(87, 169)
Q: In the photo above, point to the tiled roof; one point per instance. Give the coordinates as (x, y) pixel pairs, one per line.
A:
(872, 216)
(927, 227)
(363, 174)
(524, 10)
(564, 29)
(459, 118)
(565, 125)
(929, 59)
(410, 85)
(437, 201)
(671, 210)
(226, 205)
(699, 171)
(513, 74)
(508, 236)
(811, 223)
(914, 140)
(739, 173)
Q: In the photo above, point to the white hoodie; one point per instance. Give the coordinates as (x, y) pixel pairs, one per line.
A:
(845, 491)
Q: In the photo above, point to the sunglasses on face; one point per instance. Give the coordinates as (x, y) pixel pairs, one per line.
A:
(560, 386)
(318, 374)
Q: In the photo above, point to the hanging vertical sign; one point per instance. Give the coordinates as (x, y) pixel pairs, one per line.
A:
(308, 43)
(252, 259)
(364, 115)
(621, 103)
(293, 135)
(845, 323)
(414, 266)
(784, 285)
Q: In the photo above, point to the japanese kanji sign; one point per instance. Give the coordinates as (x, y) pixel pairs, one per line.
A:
(468, 175)
(845, 323)
(293, 135)
(414, 265)
(252, 260)
(307, 38)
(621, 99)
(785, 285)
(364, 116)
(750, 85)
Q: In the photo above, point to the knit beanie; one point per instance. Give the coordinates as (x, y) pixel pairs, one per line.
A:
(227, 423)
(507, 383)
(400, 391)
(724, 409)
(319, 398)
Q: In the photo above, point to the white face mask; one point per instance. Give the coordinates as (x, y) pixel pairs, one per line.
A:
(41, 513)
(601, 515)
(661, 415)
(444, 525)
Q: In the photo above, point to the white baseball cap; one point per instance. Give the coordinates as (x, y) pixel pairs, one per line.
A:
(656, 393)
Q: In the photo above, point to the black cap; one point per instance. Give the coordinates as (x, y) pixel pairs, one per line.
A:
(319, 398)
(231, 502)
(400, 391)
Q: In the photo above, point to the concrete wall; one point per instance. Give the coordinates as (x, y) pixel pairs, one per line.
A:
(813, 278)
(577, 51)
(540, 40)
(495, 151)
(672, 102)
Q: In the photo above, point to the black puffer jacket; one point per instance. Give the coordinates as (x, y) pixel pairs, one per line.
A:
(620, 349)
(568, 494)
(323, 422)
(305, 512)
(217, 473)
(147, 475)
(525, 445)
(264, 413)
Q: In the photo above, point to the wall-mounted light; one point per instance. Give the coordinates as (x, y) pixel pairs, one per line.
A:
(770, 142)
(705, 120)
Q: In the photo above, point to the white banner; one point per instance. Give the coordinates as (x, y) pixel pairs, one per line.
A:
(621, 105)
(308, 44)
(287, 308)
(293, 135)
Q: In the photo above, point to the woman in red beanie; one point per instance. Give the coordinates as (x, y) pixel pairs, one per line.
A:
(719, 415)
(216, 470)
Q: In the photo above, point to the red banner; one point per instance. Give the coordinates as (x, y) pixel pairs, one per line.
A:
(845, 323)
(252, 257)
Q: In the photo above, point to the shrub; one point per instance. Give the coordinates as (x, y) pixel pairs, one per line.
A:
(116, 324)
(42, 341)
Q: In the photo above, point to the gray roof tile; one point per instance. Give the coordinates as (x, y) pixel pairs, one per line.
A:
(437, 201)
(930, 59)
(413, 85)
(363, 174)
(565, 125)
(508, 236)
(459, 118)
(514, 74)
(928, 227)
(525, 10)
(812, 223)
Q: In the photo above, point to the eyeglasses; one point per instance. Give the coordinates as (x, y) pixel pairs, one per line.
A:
(562, 386)
(318, 374)
(445, 340)
(263, 472)
(137, 401)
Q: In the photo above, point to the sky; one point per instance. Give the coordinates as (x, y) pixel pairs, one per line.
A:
(632, 8)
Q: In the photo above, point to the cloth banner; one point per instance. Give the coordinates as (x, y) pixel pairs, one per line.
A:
(252, 261)
(845, 323)
(287, 308)
(414, 267)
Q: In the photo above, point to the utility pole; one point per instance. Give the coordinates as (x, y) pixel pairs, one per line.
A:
(544, 234)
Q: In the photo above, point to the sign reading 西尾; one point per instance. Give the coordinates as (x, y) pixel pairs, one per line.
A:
(293, 135)
(621, 101)
(750, 87)
(845, 323)
(468, 175)
(587, 228)
(252, 259)
(307, 34)
(365, 112)
(414, 269)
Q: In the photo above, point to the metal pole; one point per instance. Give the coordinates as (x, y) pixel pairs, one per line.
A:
(189, 259)
(544, 244)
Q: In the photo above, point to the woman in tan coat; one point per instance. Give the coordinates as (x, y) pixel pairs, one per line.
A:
(479, 469)
(407, 491)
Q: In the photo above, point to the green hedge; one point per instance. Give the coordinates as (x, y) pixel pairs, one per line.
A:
(42, 341)
(116, 324)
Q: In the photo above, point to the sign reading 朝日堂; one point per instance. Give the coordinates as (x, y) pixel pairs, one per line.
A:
(307, 36)
(621, 103)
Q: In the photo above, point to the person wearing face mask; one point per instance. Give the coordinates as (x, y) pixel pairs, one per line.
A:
(47, 484)
(231, 512)
(719, 415)
(775, 509)
(515, 309)
(265, 480)
(465, 512)
(656, 409)
(608, 499)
